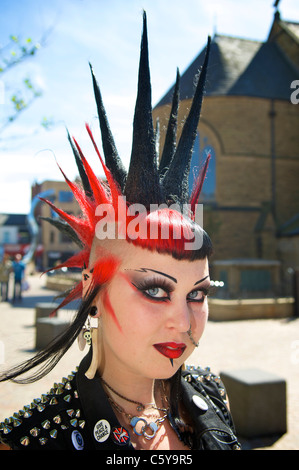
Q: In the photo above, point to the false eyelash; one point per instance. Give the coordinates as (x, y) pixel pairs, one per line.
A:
(206, 292)
(144, 284)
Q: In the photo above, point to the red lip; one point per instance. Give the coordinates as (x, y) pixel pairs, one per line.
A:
(171, 350)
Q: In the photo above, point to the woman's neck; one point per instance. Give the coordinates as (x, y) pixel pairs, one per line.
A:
(129, 390)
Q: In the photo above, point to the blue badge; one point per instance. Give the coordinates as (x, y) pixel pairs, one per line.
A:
(77, 440)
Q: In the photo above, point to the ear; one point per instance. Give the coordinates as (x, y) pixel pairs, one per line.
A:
(86, 286)
(86, 282)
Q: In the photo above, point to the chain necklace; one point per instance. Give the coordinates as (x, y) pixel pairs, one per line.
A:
(141, 426)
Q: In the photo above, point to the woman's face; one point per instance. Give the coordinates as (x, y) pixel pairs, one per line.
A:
(147, 309)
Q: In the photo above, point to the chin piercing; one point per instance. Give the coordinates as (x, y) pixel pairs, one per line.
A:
(171, 361)
(191, 338)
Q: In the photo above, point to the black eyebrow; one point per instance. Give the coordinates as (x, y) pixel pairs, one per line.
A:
(201, 280)
(158, 272)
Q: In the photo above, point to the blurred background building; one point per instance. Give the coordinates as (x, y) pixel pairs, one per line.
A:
(249, 125)
(56, 246)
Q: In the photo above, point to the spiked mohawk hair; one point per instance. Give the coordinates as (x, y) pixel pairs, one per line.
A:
(146, 182)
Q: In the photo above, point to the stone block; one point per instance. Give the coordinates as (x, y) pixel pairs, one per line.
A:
(47, 329)
(44, 310)
(258, 402)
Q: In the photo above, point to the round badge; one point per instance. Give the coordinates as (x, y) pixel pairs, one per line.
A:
(200, 403)
(120, 436)
(101, 430)
(77, 440)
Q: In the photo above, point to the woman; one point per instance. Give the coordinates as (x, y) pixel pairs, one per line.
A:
(145, 280)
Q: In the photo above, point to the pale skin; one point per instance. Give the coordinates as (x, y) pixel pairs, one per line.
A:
(154, 298)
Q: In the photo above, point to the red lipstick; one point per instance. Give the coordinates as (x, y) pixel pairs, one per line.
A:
(171, 350)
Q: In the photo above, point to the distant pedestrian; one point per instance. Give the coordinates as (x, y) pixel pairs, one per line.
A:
(19, 270)
(5, 269)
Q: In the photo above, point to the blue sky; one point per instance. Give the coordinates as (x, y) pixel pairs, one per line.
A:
(106, 33)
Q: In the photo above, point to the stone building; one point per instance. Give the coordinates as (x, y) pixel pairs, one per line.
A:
(249, 124)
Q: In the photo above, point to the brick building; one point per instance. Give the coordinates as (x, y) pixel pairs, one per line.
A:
(250, 127)
(56, 246)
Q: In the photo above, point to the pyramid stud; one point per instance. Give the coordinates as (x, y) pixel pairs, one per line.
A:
(34, 432)
(25, 441)
(46, 424)
(53, 433)
(6, 429)
(16, 422)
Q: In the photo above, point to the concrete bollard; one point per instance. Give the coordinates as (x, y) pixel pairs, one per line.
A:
(44, 309)
(47, 329)
(258, 402)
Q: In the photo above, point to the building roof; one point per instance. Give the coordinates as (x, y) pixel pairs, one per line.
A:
(292, 28)
(241, 67)
(13, 219)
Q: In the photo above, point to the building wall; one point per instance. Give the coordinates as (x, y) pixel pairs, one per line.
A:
(56, 247)
(245, 135)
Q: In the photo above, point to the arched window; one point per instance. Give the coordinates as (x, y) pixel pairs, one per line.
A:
(200, 153)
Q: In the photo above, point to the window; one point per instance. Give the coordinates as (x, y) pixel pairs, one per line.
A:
(65, 196)
(197, 161)
(52, 237)
(255, 280)
(6, 237)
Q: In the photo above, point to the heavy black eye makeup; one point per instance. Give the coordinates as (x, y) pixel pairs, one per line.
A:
(157, 289)
(198, 295)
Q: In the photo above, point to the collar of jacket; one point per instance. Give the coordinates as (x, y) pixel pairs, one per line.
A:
(106, 432)
(206, 419)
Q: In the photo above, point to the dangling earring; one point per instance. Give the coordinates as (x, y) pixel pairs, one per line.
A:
(90, 373)
(89, 336)
(92, 341)
(84, 336)
(189, 333)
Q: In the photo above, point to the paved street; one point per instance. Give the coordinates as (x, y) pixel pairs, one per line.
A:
(270, 345)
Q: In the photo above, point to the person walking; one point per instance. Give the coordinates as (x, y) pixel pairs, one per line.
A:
(19, 271)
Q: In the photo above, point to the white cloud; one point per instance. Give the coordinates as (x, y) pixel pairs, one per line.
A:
(15, 197)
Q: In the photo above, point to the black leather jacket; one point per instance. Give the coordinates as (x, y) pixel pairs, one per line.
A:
(76, 415)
